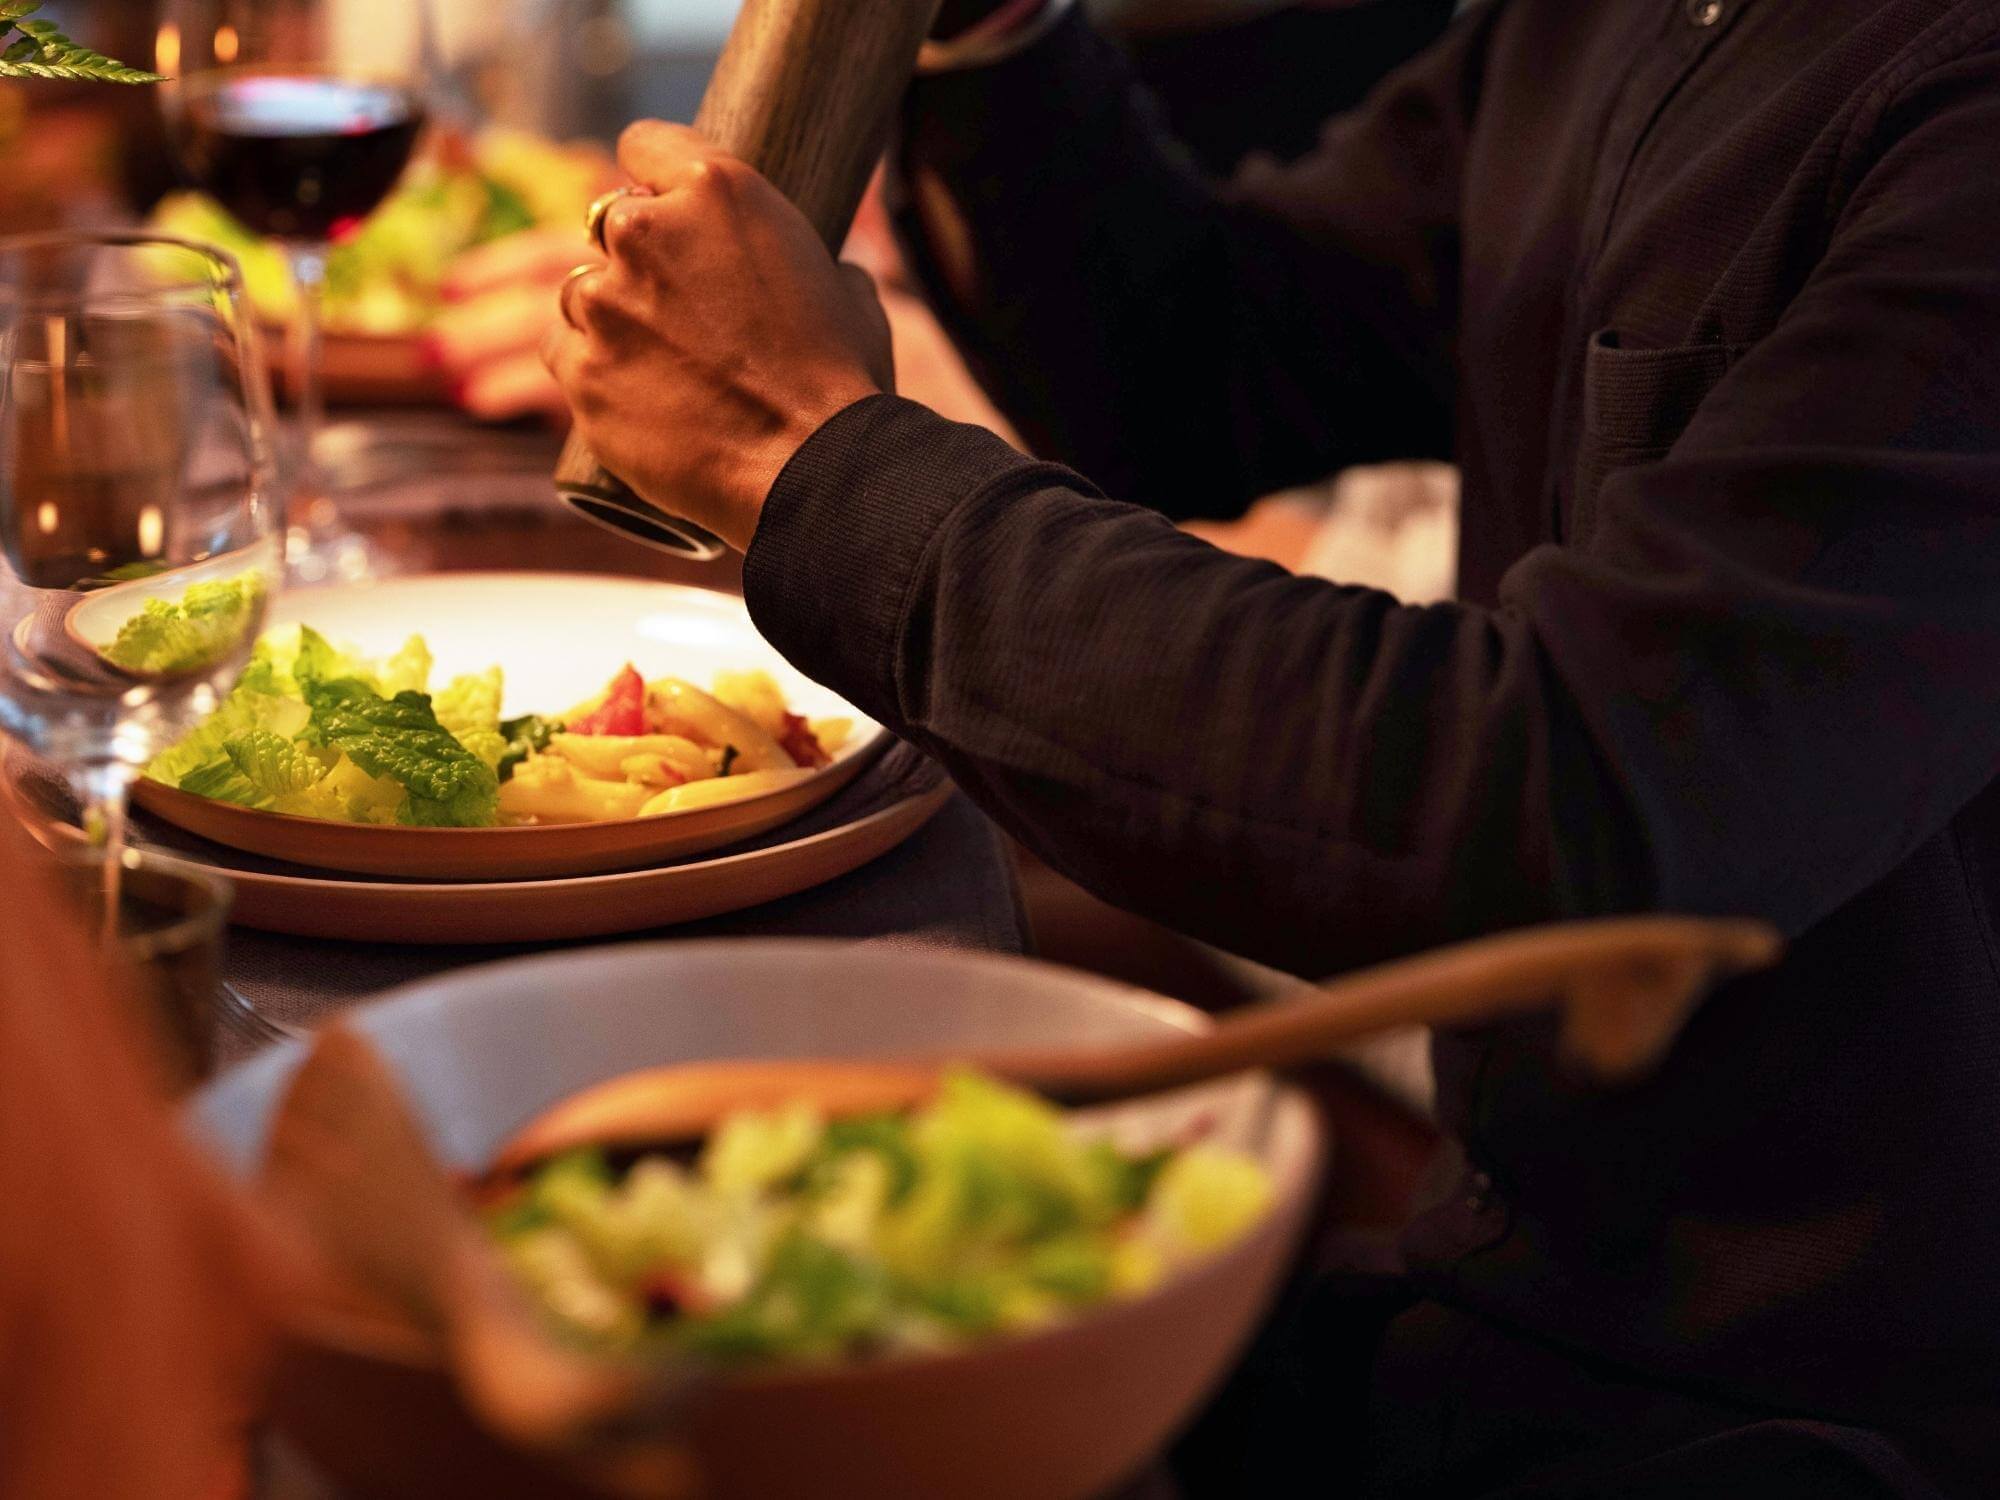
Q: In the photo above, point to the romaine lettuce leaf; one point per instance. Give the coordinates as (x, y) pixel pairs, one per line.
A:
(314, 730)
(490, 745)
(813, 1299)
(795, 1237)
(400, 737)
(347, 794)
(470, 702)
(1206, 1197)
(316, 659)
(754, 1150)
(220, 781)
(255, 769)
(264, 675)
(997, 1168)
(201, 628)
(243, 710)
(274, 765)
(408, 671)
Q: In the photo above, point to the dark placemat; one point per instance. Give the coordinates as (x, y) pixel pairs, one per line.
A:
(950, 884)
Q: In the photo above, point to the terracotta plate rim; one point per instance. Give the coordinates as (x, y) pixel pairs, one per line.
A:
(360, 884)
(158, 798)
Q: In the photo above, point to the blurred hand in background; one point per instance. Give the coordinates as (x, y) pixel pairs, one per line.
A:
(500, 302)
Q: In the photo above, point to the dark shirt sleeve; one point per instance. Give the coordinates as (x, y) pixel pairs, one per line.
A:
(1772, 671)
(1192, 345)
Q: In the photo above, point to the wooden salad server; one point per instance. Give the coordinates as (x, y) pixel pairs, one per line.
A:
(805, 93)
(348, 1166)
(1624, 987)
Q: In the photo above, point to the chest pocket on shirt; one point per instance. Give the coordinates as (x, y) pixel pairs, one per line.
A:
(1636, 404)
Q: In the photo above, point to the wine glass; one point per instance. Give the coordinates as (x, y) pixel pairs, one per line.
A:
(140, 539)
(299, 117)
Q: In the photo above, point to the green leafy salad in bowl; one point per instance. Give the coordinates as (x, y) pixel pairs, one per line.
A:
(795, 1237)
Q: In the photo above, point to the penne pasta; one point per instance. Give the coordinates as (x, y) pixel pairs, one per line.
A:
(683, 706)
(723, 789)
(650, 770)
(550, 790)
(756, 696)
(606, 754)
(832, 733)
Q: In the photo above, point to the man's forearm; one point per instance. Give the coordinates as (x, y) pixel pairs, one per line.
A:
(1684, 715)
(1308, 775)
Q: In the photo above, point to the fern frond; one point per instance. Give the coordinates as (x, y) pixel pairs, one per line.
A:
(42, 51)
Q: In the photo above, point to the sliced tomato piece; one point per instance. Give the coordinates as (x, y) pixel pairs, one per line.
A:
(799, 742)
(623, 710)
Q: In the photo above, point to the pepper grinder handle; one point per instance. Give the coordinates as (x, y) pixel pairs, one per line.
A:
(804, 92)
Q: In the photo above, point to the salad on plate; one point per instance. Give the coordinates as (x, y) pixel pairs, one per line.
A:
(316, 731)
(386, 280)
(792, 1237)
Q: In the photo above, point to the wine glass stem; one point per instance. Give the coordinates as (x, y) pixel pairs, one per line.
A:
(102, 788)
(309, 273)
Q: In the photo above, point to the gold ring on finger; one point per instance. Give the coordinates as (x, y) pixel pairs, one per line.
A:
(600, 210)
(568, 286)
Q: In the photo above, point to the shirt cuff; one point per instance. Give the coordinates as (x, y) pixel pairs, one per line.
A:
(842, 543)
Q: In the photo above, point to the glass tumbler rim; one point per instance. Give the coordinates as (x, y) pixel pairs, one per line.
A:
(186, 929)
(228, 277)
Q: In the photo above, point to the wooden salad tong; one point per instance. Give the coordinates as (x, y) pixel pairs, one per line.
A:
(1623, 986)
(349, 1171)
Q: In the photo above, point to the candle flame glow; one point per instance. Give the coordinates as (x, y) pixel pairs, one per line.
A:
(167, 50)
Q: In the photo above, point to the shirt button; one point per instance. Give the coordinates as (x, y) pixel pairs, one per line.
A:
(1704, 12)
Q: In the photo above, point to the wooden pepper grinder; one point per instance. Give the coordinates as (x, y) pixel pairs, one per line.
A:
(804, 92)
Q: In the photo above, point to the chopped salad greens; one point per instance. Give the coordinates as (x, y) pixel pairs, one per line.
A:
(792, 1237)
(314, 731)
(527, 735)
(208, 623)
(386, 278)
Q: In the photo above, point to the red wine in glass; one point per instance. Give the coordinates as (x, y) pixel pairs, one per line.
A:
(298, 157)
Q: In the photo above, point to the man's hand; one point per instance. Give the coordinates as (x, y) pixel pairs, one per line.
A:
(719, 338)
